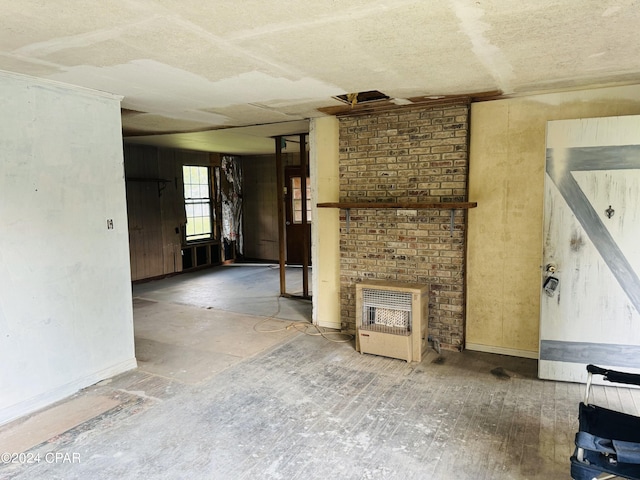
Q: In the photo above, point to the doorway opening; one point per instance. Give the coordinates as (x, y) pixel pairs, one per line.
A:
(294, 214)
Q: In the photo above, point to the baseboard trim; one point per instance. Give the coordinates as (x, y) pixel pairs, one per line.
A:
(47, 398)
(513, 352)
(335, 326)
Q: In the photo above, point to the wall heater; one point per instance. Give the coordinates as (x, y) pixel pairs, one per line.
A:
(391, 319)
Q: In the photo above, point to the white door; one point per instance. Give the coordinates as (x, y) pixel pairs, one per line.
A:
(590, 306)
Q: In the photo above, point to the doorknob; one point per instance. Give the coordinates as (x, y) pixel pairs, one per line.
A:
(551, 282)
(287, 222)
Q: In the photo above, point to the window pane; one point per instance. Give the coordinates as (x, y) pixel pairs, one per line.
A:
(197, 202)
(296, 199)
(203, 176)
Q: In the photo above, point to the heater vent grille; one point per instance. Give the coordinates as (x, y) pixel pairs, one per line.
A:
(386, 299)
(386, 311)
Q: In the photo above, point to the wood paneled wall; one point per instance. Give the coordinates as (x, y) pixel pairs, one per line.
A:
(155, 207)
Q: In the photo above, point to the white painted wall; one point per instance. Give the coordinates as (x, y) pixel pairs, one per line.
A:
(66, 317)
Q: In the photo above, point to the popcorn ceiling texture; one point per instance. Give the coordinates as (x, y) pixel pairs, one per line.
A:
(412, 154)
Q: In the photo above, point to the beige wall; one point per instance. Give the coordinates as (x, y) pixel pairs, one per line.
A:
(325, 230)
(506, 175)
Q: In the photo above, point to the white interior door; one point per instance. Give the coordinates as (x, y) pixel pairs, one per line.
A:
(590, 306)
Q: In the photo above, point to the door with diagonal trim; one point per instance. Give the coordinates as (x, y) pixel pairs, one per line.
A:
(590, 285)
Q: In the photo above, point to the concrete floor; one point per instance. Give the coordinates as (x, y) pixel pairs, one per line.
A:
(216, 396)
(242, 288)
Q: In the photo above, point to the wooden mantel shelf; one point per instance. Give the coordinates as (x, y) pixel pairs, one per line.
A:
(347, 206)
(411, 206)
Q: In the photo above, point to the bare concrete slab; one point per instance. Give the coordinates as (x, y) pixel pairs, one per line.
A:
(245, 289)
(184, 364)
(190, 344)
(227, 395)
(311, 409)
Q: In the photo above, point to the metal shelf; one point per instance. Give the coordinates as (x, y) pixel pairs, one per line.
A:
(161, 182)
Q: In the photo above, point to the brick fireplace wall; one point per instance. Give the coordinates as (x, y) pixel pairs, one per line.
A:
(409, 154)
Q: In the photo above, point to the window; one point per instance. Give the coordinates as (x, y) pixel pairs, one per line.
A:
(197, 202)
(296, 198)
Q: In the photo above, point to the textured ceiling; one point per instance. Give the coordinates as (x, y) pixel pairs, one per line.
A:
(193, 65)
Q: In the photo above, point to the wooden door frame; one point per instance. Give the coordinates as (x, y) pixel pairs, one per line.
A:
(304, 167)
(294, 172)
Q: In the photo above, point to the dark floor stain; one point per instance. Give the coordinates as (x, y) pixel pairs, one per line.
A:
(438, 360)
(499, 373)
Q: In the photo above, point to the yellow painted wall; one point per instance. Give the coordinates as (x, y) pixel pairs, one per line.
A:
(325, 229)
(506, 177)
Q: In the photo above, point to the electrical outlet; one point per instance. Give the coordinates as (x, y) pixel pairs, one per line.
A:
(109, 223)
